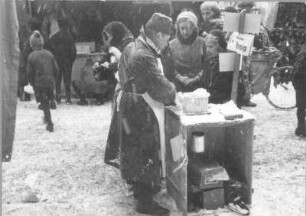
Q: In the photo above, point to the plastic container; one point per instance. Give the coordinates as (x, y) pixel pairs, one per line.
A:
(195, 103)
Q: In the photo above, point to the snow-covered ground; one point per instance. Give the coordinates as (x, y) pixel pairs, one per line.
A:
(66, 169)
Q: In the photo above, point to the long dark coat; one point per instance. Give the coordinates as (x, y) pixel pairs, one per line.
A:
(111, 155)
(140, 143)
(62, 46)
(25, 51)
(299, 83)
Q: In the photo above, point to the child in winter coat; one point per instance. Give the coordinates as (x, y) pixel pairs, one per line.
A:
(42, 70)
(299, 83)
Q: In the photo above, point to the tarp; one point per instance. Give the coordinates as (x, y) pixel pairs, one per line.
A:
(9, 49)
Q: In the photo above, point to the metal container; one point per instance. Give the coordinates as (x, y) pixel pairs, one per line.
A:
(198, 142)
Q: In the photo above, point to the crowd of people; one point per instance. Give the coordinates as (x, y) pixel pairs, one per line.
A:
(151, 68)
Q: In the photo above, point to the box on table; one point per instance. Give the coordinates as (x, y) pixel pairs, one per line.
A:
(85, 47)
(213, 198)
(201, 173)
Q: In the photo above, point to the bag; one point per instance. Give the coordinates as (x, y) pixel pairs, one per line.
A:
(28, 89)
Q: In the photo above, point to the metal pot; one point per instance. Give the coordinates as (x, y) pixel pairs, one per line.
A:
(198, 142)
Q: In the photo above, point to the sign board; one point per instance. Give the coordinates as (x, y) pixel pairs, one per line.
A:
(231, 22)
(227, 62)
(251, 23)
(241, 43)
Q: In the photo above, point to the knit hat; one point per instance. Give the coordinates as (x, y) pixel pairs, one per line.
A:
(159, 23)
(213, 6)
(243, 5)
(188, 15)
(36, 40)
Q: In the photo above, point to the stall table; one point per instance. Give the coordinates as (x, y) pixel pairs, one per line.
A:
(227, 141)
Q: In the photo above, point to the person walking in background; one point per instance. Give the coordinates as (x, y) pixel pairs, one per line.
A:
(211, 15)
(299, 83)
(145, 90)
(188, 51)
(25, 50)
(62, 46)
(42, 70)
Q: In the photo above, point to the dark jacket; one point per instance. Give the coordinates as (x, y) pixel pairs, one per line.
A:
(299, 82)
(299, 69)
(111, 156)
(219, 84)
(42, 68)
(23, 58)
(139, 74)
(62, 46)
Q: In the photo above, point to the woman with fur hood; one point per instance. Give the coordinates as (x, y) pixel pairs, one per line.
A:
(211, 17)
(188, 50)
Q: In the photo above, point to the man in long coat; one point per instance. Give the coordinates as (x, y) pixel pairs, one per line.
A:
(62, 46)
(299, 83)
(145, 91)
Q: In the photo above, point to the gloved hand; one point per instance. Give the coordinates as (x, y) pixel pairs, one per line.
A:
(105, 64)
(188, 81)
(96, 65)
(183, 79)
(192, 81)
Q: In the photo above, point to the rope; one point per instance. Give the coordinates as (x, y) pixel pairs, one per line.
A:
(276, 106)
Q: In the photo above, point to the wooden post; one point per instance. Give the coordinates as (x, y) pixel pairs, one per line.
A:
(2, 66)
(237, 61)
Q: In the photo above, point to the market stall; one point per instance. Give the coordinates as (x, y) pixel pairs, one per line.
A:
(204, 153)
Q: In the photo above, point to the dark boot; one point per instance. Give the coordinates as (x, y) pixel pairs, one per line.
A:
(146, 204)
(301, 128)
(58, 91)
(58, 98)
(47, 118)
(50, 127)
(249, 104)
(150, 207)
(27, 97)
(82, 102)
(52, 104)
(68, 98)
(20, 93)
